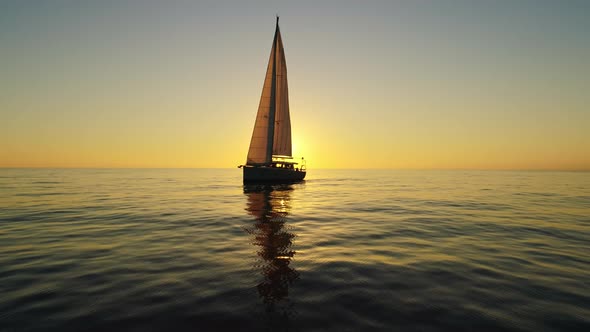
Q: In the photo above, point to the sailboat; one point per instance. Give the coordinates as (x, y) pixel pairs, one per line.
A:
(269, 157)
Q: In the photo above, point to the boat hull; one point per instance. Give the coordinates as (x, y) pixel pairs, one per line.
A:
(272, 175)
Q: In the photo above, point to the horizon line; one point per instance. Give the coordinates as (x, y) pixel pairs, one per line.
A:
(323, 168)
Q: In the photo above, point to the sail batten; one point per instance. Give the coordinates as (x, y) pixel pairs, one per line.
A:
(272, 129)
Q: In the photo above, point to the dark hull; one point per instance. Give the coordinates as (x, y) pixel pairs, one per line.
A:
(272, 175)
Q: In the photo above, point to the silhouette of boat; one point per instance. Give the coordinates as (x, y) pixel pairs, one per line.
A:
(269, 157)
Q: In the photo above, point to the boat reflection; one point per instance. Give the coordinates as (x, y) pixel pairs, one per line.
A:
(270, 205)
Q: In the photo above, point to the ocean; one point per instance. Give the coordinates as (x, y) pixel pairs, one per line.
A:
(346, 250)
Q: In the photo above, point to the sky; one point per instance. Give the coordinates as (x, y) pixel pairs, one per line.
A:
(372, 84)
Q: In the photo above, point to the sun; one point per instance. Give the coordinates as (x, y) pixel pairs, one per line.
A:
(298, 147)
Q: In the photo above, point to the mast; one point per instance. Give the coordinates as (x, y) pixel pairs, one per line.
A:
(273, 102)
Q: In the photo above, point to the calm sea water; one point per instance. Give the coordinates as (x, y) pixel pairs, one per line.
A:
(195, 250)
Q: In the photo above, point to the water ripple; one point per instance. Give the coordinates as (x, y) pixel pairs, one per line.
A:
(98, 250)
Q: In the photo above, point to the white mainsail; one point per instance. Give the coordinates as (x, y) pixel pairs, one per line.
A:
(272, 129)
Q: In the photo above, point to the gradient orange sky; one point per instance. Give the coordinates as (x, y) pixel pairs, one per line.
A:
(378, 84)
